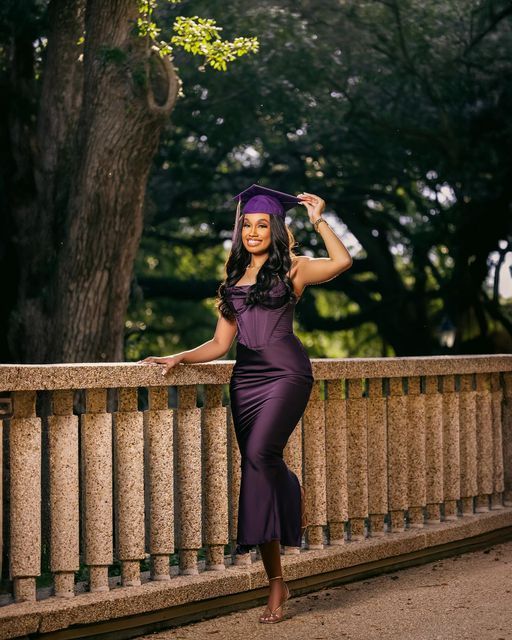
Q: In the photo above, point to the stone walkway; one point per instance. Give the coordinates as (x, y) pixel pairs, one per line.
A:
(464, 597)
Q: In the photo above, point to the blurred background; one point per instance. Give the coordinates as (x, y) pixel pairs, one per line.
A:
(396, 113)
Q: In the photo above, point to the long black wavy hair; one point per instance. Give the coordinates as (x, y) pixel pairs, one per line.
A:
(275, 268)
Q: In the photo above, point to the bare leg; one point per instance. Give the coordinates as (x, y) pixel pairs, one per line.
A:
(271, 556)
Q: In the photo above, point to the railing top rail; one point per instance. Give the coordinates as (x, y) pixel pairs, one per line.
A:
(25, 377)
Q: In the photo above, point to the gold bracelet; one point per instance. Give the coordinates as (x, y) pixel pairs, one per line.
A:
(317, 222)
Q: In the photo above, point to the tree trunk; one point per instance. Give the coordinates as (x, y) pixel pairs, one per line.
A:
(98, 128)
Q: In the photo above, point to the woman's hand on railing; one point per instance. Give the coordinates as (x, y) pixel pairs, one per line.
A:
(167, 362)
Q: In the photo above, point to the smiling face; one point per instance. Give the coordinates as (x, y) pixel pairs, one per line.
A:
(256, 232)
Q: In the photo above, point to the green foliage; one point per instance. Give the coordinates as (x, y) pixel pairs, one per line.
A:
(397, 114)
(199, 36)
(163, 324)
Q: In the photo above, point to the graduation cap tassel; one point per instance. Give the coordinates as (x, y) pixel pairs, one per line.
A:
(237, 218)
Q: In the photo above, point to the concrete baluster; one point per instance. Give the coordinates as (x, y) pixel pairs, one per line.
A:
(468, 446)
(336, 461)
(215, 477)
(1, 494)
(485, 457)
(433, 448)
(129, 475)
(451, 448)
(416, 443)
(234, 479)
(25, 495)
(292, 455)
(506, 413)
(377, 457)
(497, 432)
(314, 467)
(96, 449)
(396, 410)
(357, 458)
(188, 469)
(64, 488)
(158, 436)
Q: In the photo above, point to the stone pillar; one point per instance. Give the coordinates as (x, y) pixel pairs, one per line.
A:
(96, 446)
(64, 487)
(215, 466)
(468, 447)
(129, 474)
(336, 461)
(397, 454)
(433, 448)
(417, 478)
(377, 457)
(506, 413)
(158, 433)
(357, 457)
(292, 453)
(188, 469)
(25, 495)
(485, 444)
(292, 456)
(451, 450)
(1, 492)
(314, 472)
(234, 479)
(497, 436)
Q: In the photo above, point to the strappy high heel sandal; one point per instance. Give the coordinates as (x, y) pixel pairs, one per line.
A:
(273, 617)
(304, 523)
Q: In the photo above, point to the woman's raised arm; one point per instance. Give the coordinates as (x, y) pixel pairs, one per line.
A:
(315, 270)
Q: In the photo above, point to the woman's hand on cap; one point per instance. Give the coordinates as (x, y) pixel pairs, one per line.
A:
(314, 205)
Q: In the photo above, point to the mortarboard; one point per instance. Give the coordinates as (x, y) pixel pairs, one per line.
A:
(258, 199)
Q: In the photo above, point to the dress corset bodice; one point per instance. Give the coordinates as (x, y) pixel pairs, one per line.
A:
(260, 325)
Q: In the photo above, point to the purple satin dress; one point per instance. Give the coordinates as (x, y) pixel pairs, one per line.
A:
(269, 390)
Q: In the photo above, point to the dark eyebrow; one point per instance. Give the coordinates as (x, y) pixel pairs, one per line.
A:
(259, 220)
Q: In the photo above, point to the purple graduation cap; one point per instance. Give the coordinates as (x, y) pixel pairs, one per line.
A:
(258, 199)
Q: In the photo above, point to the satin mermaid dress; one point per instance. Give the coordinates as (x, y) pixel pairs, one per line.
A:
(269, 389)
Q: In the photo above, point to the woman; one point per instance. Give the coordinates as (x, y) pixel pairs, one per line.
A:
(272, 376)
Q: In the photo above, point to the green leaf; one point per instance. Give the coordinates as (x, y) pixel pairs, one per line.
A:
(196, 35)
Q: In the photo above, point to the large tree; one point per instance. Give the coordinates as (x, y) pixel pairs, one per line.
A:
(86, 89)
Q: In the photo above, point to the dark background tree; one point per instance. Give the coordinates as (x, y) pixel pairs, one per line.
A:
(80, 131)
(396, 113)
(85, 98)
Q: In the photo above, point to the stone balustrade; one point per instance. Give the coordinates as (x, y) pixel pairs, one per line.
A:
(112, 463)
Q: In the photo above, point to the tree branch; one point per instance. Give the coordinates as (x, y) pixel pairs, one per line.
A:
(173, 86)
(496, 19)
(496, 313)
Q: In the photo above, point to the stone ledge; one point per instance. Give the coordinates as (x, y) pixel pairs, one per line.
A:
(53, 614)
(27, 377)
